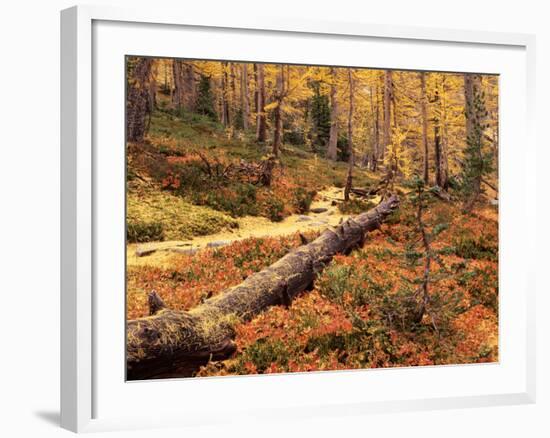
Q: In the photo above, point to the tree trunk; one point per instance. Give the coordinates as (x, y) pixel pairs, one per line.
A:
(172, 343)
(376, 129)
(232, 94)
(177, 93)
(278, 132)
(388, 93)
(226, 121)
(260, 111)
(441, 166)
(184, 93)
(349, 179)
(245, 103)
(444, 137)
(474, 132)
(138, 101)
(437, 141)
(190, 89)
(424, 113)
(333, 136)
(255, 88)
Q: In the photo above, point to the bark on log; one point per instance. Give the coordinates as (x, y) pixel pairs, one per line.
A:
(172, 343)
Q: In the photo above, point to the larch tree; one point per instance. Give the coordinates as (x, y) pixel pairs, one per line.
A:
(225, 115)
(138, 101)
(278, 111)
(184, 94)
(189, 86)
(261, 123)
(476, 164)
(349, 178)
(153, 87)
(333, 136)
(440, 154)
(375, 116)
(388, 96)
(424, 115)
(178, 90)
(245, 103)
(233, 96)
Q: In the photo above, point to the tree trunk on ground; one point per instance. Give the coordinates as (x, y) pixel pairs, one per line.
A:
(333, 136)
(138, 102)
(424, 113)
(349, 179)
(260, 111)
(172, 343)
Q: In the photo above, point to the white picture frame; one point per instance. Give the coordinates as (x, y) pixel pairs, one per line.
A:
(81, 336)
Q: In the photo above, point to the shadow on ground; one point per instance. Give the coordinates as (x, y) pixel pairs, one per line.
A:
(51, 417)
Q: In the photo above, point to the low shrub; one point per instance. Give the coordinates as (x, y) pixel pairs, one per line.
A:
(274, 209)
(238, 200)
(481, 247)
(138, 232)
(355, 206)
(302, 199)
(261, 354)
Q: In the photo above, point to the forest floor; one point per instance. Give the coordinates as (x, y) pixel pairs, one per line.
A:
(194, 233)
(323, 213)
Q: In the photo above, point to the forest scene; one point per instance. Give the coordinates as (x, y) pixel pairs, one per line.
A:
(294, 218)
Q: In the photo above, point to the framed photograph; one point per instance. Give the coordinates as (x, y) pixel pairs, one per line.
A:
(291, 217)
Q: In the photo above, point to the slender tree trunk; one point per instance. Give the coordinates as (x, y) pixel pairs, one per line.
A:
(444, 137)
(260, 110)
(474, 133)
(255, 88)
(441, 166)
(175, 344)
(226, 119)
(245, 102)
(333, 136)
(190, 88)
(424, 114)
(166, 75)
(138, 101)
(278, 132)
(388, 95)
(153, 87)
(232, 93)
(178, 92)
(441, 172)
(376, 128)
(349, 179)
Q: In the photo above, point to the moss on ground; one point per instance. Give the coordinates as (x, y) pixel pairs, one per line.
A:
(180, 220)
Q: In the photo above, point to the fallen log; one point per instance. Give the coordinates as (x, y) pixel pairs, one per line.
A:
(364, 192)
(172, 343)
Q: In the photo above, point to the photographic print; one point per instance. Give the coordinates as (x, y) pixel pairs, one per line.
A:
(295, 218)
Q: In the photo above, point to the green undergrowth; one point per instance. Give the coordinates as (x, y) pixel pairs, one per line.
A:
(156, 215)
(178, 186)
